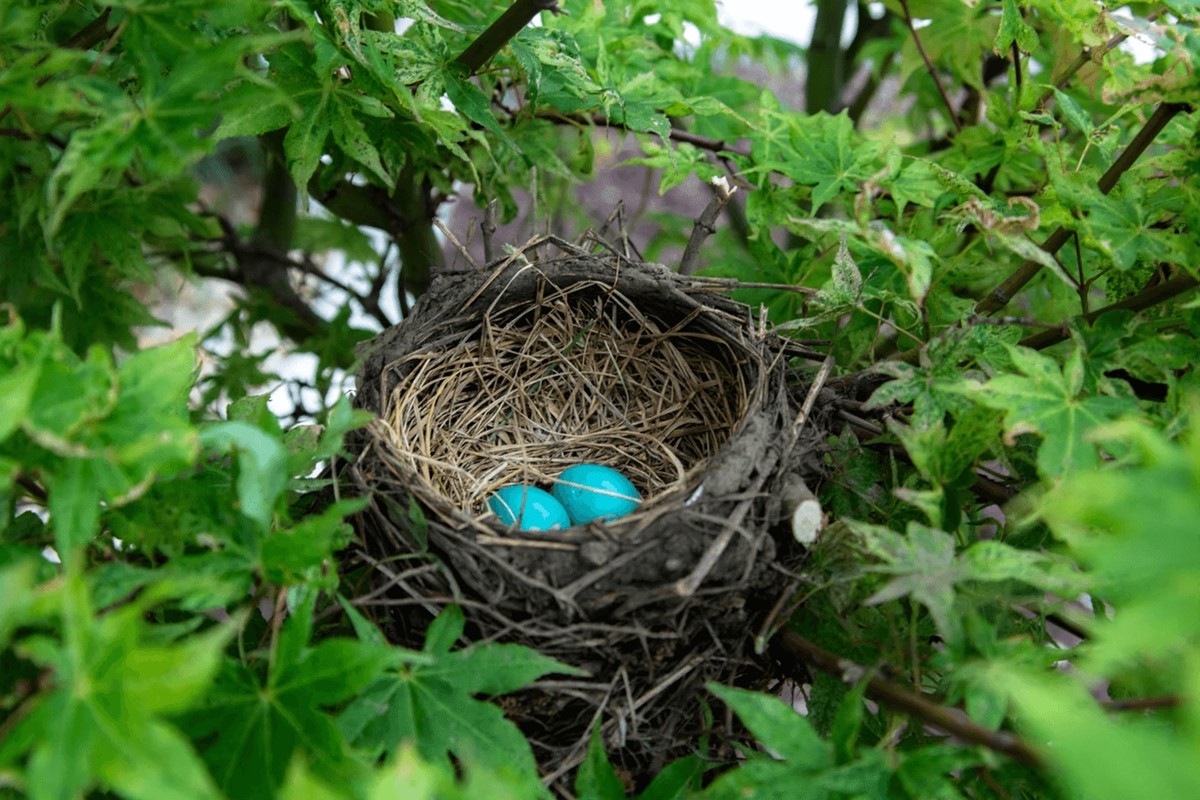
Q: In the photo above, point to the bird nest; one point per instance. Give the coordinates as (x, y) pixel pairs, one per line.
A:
(511, 375)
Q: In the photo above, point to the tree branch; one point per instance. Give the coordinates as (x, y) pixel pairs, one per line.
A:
(921, 706)
(999, 296)
(1151, 296)
(1086, 56)
(91, 34)
(908, 20)
(717, 146)
(705, 226)
(498, 34)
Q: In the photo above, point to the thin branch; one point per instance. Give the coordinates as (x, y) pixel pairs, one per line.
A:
(929, 66)
(488, 229)
(1086, 56)
(951, 720)
(1144, 703)
(91, 34)
(717, 146)
(498, 34)
(1152, 296)
(1016, 61)
(86, 38)
(999, 296)
(705, 225)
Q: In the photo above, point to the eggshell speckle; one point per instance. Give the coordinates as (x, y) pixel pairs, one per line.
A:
(530, 508)
(593, 492)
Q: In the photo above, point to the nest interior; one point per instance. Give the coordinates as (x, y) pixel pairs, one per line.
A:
(510, 376)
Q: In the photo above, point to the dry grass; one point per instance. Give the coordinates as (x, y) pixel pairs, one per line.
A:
(580, 375)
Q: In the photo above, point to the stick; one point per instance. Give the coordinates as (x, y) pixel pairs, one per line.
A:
(929, 66)
(921, 706)
(498, 34)
(1144, 299)
(999, 297)
(705, 225)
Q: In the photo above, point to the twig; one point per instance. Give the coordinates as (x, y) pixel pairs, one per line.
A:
(705, 225)
(498, 34)
(1146, 298)
(950, 720)
(91, 34)
(999, 296)
(929, 66)
(1086, 56)
(708, 143)
(488, 229)
(1078, 631)
(449, 234)
(86, 38)
(1144, 703)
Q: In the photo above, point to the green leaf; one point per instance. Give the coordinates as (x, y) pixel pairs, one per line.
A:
(1090, 752)
(830, 157)
(596, 779)
(777, 727)
(262, 466)
(1014, 28)
(288, 553)
(445, 630)
(1045, 399)
(472, 103)
(497, 668)
(675, 781)
(1132, 524)
(847, 723)
(924, 561)
(252, 729)
(17, 581)
(101, 724)
(74, 505)
(429, 702)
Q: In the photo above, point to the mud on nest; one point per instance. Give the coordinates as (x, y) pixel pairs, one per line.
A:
(513, 374)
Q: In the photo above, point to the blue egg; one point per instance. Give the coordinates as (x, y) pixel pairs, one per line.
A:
(592, 492)
(529, 508)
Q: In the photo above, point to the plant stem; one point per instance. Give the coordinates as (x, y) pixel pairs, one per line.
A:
(999, 296)
(1086, 56)
(1144, 703)
(951, 720)
(510, 23)
(929, 66)
(1146, 298)
(91, 34)
(703, 227)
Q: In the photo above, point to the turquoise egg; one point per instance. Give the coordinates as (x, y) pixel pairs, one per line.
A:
(530, 508)
(592, 492)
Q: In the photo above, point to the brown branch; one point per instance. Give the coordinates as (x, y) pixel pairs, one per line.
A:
(717, 146)
(999, 296)
(1086, 56)
(929, 66)
(488, 229)
(86, 38)
(1152, 296)
(705, 226)
(1144, 703)
(951, 720)
(498, 34)
(91, 34)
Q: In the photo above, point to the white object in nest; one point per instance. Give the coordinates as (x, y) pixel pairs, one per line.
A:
(807, 517)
